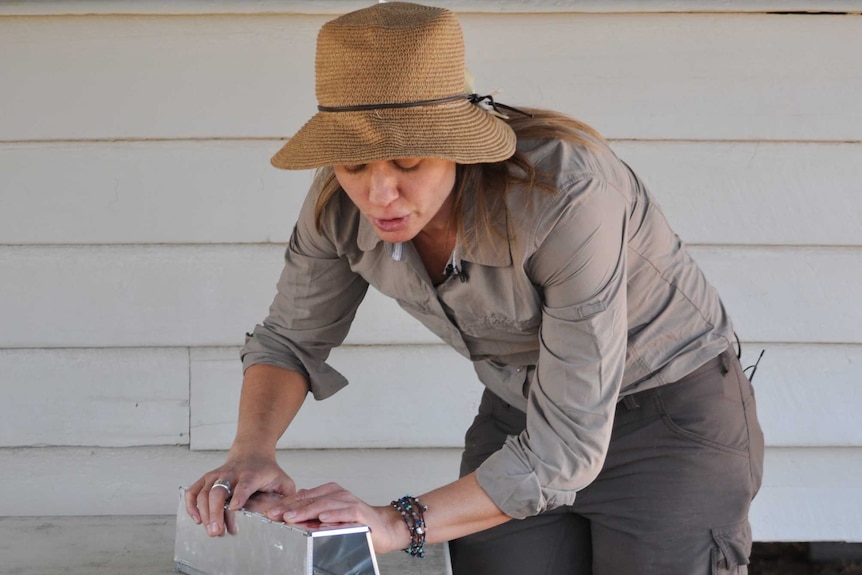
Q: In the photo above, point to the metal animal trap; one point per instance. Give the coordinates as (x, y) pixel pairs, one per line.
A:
(265, 547)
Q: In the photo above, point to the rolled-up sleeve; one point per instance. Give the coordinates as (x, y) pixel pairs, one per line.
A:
(316, 301)
(579, 266)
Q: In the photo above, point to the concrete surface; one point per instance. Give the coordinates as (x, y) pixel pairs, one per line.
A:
(142, 545)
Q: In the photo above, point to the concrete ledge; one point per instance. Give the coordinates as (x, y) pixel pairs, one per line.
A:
(142, 545)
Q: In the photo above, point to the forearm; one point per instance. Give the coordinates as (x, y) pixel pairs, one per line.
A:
(271, 396)
(454, 510)
(458, 509)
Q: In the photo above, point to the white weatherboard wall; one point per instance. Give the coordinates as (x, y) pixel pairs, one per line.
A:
(141, 231)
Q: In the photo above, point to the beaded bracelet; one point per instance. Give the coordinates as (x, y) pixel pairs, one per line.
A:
(413, 514)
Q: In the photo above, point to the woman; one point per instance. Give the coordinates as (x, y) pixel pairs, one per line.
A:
(617, 428)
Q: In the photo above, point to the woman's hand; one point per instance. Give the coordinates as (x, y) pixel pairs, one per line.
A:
(331, 503)
(246, 475)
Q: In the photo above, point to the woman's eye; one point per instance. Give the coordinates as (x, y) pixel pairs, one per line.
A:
(407, 165)
(354, 169)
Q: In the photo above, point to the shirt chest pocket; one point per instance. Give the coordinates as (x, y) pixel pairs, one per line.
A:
(487, 326)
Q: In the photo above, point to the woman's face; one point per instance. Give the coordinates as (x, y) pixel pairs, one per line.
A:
(401, 197)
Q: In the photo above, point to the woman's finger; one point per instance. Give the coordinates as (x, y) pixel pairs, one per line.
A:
(190, 498)
(304, 496)
(314, 503)
(245, 487)
(202, 501)
(230, 522)
(342, 515)
(219, 492)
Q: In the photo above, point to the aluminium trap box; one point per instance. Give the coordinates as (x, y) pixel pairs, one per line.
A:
(264, 547)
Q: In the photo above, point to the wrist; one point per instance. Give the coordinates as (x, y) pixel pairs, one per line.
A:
(412, 514)
(399, 534)
(395, 535)
(250, 448)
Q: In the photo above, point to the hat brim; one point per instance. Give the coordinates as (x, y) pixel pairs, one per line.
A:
(459, 131)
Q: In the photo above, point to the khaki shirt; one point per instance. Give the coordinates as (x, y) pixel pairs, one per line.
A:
(591, 297)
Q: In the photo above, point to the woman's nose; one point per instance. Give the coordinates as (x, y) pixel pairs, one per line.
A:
(383, 186)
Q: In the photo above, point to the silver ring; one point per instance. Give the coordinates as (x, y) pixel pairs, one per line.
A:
(224, 484)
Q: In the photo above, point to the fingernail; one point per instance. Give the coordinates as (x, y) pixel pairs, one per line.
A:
(196, 519)
(275, 512)
(213, 528)
(290, 515)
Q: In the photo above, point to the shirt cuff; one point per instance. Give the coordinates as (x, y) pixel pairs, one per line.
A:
(514, 486)
(265, 347)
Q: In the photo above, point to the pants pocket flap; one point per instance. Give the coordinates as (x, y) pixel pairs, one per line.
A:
(734, 541)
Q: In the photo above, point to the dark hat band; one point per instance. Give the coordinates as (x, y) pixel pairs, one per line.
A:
(473, 98)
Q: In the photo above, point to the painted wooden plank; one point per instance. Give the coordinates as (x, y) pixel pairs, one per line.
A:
(754, 193)
(112, 296)
(176, 7)
(183, 7)
(808, 396)
(226, 192)
(808, 494)
(370, 412)
(145, 480)
(147, 192)
(156, 77)
(102, 397)
(659, 80)
(205, 76)
(109, 296)
(788, 294)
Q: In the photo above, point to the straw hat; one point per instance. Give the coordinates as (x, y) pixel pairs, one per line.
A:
(390, 83)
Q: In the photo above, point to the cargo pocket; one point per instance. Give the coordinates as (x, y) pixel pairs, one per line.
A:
(732, 548)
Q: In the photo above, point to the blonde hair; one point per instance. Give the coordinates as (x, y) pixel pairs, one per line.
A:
(490, 182)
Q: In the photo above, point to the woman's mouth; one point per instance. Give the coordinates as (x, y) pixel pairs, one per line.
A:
(390, 224)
